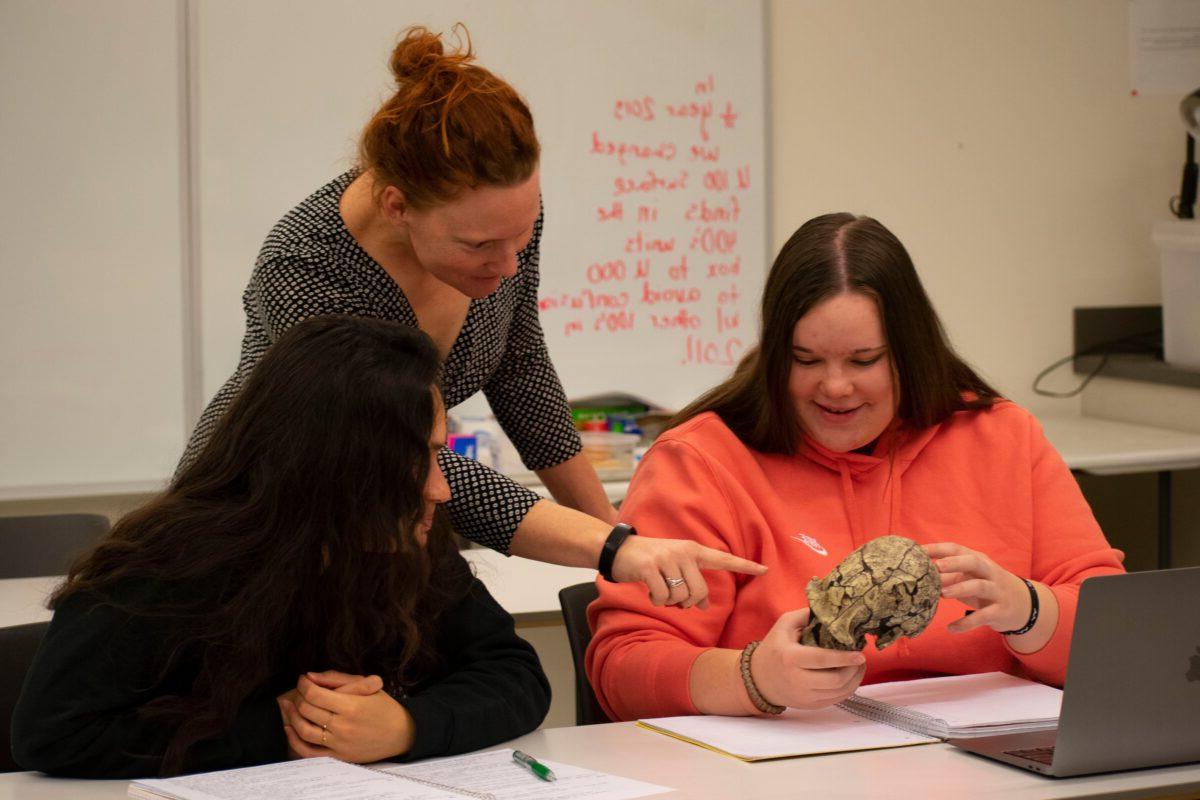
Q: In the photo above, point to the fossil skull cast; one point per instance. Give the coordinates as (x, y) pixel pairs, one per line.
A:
(888, 587)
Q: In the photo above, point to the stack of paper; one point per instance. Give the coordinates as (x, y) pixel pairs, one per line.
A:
(960, 706)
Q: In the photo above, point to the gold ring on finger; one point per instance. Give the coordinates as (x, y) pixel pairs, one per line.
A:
(673, 582)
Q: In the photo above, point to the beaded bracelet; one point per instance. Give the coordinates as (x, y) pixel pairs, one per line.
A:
(760, 702)
(1033, 612)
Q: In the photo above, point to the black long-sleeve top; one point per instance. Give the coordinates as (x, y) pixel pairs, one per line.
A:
(78, 712)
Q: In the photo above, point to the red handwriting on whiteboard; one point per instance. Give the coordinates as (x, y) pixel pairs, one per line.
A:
(600, 272)
(716, 180)
(724, 269)
(714, 240)
(680, 320)
(721, 212)
(664, 151)
(728, 117)
(651, 296)
(678, 271)
(614, 212)
(649, 244)
(639, 108)
(702, 352)
(728, 318)
(584, 299)
(693, 110)
(701, 111)
(613, 321)
(650, 182)
(671, 171)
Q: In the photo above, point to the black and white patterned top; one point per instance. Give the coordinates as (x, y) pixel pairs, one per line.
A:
(311, 265)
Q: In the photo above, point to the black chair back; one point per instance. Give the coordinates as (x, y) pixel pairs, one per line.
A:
(18, 644)
(46, 544)
(574, 601)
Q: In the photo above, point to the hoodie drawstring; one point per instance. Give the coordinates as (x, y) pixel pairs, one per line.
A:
(853, 509)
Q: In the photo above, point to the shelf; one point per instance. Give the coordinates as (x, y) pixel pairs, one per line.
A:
(1132, 338)
(1140, 367)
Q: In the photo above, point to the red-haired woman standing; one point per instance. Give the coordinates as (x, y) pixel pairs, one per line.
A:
(439, 227)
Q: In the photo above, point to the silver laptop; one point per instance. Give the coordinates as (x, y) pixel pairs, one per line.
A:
(1132, 697)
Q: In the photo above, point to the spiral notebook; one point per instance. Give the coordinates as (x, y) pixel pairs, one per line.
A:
(960, 706)
(882, 715)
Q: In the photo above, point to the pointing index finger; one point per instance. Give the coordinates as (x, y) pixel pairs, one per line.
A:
(715, 559)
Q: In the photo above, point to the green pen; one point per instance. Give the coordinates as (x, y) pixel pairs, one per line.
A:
(530, 763)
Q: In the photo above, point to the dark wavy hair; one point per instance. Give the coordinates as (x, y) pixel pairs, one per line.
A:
(288, 544)
(829, 255)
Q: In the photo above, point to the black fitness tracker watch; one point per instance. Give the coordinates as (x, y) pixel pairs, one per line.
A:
(609, 554)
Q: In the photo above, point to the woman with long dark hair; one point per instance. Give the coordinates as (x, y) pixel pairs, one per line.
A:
(852, 419)
(291, 594)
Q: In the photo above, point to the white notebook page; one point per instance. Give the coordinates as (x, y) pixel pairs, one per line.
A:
(990, 698)
(495, 772)
(793, 733)
(306, 779)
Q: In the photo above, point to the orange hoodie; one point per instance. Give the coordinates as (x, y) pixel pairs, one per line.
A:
(987, 480)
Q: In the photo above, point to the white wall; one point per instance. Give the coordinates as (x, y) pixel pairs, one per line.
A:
(91, 244)
(998, 140)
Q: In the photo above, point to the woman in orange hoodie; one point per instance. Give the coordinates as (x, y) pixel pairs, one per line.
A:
(852, 419)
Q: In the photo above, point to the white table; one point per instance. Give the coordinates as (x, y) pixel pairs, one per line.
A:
(527, 589)
(1103, 447)
(927, 772)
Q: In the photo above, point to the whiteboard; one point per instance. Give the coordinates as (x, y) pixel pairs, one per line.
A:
(150, 146)
(91, 325)
(652, 121)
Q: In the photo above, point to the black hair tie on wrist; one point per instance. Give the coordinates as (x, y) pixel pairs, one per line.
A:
(1033, 612)
(608, 554)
